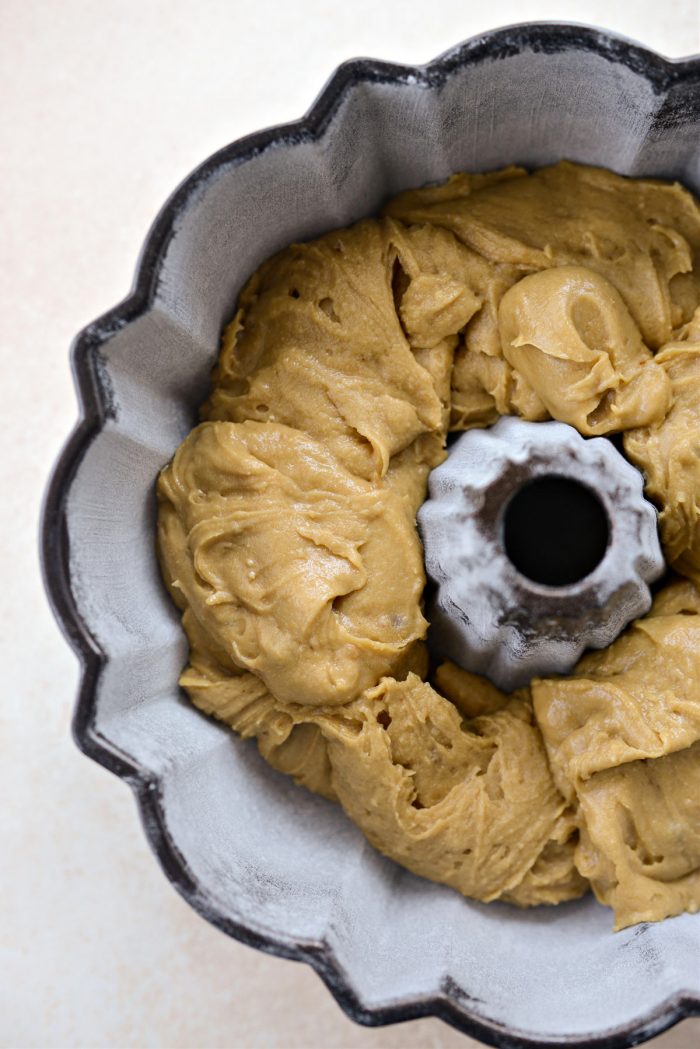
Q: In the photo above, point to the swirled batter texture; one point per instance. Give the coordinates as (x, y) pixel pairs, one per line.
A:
(287, 530)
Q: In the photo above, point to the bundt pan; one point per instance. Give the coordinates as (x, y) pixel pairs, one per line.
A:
(265, 861)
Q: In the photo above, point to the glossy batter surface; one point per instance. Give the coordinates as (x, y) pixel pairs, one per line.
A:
(287, 530)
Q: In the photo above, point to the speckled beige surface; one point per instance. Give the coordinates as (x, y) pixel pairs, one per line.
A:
(104, 108)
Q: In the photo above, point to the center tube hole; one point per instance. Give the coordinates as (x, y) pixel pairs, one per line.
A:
(556, 531)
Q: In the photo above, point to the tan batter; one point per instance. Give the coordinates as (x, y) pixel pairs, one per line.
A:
(287, 530)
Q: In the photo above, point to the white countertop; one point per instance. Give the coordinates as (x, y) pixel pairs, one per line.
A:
(105, 107)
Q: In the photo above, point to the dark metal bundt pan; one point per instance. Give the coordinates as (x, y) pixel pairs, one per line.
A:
(266, 862)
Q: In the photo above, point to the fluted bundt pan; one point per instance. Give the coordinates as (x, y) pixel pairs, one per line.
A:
(263, 860)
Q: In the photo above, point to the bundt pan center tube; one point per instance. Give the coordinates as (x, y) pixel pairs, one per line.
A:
(541, 545)
(268, 863)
